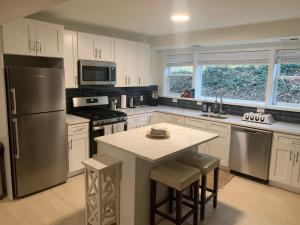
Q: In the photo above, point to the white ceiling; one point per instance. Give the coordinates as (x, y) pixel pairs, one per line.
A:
(152, 17)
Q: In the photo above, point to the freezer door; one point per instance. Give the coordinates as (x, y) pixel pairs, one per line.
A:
(40, 151)
(35, 90)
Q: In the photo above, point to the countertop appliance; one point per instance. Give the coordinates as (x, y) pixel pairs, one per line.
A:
(153, 100)
(250, 151)
(37, 122)
(258, 118)
(96, 109)
(97, 73)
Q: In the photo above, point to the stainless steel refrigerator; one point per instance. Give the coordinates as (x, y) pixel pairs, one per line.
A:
(37, 123)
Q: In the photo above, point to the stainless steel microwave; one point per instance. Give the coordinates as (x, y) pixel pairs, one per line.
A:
(97, 73)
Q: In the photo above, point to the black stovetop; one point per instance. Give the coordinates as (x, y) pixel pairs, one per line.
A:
(98, 114)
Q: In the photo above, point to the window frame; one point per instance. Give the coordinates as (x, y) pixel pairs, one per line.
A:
(271, 85)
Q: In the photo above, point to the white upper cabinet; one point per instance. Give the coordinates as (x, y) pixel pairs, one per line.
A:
(87, 46)
(70, 59)
(30, 37)
(95, 47)
(143, 64)
(120, 60)
(106, 49)
(19, 37)
(131, 63)
(49, 39)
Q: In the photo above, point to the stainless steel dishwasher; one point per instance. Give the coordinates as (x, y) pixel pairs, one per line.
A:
(250, 151)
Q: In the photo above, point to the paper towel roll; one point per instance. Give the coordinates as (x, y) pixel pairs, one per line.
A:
(123, 101)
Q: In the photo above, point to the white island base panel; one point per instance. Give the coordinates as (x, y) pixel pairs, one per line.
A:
(135, 184)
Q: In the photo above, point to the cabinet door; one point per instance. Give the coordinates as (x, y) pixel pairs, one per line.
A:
(296, 169)
(120, 60)
(157, 117)
(143, 64)
(78, 151)
(281, 164)
(87, 46)
(219, 148)
(70, 59)
(49, 39)
(131, 63)
(106, 48)
(19, 37)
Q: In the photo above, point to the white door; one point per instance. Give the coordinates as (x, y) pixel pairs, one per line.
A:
(70, 59)
(78, 148)
(296, 169)
(281, 164)
(131, 62)
(49, 38)
(106, 49)
(143, 64)
(87, 46)
(120, 60)
(19, 37)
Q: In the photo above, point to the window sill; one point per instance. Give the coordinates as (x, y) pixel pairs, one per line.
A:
(240, 103)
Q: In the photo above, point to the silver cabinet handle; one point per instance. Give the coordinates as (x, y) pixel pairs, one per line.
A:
(17, 150)
(96, 53)
(32, 45)
(100, 54)
(38, 46)
(291, 155)
(14, 105)
(125, 80)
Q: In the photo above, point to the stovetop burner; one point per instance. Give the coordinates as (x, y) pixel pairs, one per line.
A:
(99, 114)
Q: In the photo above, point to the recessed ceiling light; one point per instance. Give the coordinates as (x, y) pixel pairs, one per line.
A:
(180, 18)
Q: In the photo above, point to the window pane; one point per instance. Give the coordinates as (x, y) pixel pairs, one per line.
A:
(179, 79)
(177, 84)
(243, 82)
(288, 90)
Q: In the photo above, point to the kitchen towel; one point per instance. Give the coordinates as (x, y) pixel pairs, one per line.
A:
(108, 129)
(118, 127)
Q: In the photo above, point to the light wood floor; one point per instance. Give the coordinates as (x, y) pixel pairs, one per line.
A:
(241, 202)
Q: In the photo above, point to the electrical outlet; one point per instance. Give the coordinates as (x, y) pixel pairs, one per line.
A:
(260, 110)
(174, 100)
(141, 98)
(199, 103)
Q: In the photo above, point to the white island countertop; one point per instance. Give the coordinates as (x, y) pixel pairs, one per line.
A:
(135, 141)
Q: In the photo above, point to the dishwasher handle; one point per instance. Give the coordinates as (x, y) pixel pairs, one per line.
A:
(249, 130)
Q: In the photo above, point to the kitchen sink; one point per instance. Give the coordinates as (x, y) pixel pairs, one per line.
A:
(214, 116)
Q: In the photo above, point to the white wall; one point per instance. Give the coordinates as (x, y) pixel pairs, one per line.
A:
(3, 124)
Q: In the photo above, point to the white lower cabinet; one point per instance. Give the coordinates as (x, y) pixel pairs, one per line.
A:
(174, 119)
(137, 121)
(78, 139)
(285, 160)
(157, 117)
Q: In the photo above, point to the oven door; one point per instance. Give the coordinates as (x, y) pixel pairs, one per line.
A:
(96, 73)
(98, 131)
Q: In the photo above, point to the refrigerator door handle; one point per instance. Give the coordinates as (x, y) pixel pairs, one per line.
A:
(14, 106)
(17, 149)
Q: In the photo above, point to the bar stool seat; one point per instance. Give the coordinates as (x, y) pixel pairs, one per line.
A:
(177, 176)
(206, 164)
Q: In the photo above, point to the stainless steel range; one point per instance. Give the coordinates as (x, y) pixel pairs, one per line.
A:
(102, 120)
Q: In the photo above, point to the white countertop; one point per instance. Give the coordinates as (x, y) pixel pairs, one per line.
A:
(135, 141)
(71, 119)
(233, 120)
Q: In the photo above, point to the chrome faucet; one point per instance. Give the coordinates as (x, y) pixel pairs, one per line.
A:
(218, 110)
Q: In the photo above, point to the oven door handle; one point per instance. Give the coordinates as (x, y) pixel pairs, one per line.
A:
(98, 128)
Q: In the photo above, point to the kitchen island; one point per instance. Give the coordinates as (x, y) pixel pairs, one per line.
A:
(139, 154)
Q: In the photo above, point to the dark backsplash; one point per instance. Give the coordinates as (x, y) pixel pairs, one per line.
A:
(278, 115)
(111, 92)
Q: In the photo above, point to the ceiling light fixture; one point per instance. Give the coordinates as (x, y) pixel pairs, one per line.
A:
(180, 18)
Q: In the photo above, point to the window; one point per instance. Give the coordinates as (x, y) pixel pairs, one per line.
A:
(180, 79)
(288, 78)
(179, 74)
(240, 75)
(241, 82)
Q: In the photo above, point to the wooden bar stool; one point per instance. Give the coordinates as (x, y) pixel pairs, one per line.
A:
(206, 164)
(102, 190)
(175, 176)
